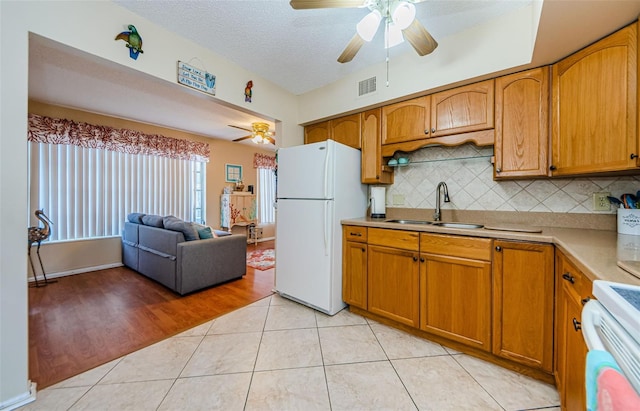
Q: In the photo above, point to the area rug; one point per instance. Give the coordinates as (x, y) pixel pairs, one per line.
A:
(261, 259)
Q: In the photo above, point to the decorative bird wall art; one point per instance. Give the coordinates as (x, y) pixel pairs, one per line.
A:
(133, 40)
(37, 234)
(247, 91)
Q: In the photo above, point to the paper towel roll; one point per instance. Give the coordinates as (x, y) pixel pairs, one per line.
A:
(378, 199)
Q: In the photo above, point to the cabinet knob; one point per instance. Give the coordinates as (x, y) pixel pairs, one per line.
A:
(426, 131)
(415, 258)
(552, 167)
(633, 155)
(498, 248)
(569, 278)
(577, 325)
(498, 170)
(585, 300)
(433, 130)
(422, 259)
(363, 249)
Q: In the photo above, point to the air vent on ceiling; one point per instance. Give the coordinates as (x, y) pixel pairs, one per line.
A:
(367, 86)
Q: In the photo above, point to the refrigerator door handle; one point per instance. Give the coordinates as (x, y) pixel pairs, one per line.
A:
(326, 228)
(328, 153)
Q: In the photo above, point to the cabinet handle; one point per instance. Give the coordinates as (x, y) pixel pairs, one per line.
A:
(422, 259)
(415, 258)
(433, 130)
(585, 300)
(498, 170)
(569, 278)
(633, 155)
(577, 325)
(356, 234)
(426, 131)
(498, 248)
(552, 167)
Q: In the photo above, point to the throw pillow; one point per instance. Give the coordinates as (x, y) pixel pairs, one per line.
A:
(152, 220)
(203, 231)
(186, 228)
(135, 218)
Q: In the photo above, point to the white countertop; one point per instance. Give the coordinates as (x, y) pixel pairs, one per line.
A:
(595, 252)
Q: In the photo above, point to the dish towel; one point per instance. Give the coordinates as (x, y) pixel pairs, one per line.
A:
(607, 388)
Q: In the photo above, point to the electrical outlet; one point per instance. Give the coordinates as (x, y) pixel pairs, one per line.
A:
(601, 202)
(398, 199)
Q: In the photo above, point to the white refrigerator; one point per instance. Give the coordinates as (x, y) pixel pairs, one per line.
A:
(318, 185)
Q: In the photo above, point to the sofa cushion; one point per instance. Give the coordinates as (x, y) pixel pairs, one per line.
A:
(135, 218)
(220, 233)
(186, 228)
(204, 232)
(152, 220)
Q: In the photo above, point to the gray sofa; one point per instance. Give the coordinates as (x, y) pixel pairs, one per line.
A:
(183, 266)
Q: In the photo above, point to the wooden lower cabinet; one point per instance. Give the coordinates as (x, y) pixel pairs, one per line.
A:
(573, 289)
(456, 299)
(354, 266)
(523, 284)
(393, 284)
(455, 290)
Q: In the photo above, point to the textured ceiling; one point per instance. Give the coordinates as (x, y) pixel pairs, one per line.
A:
(298, 49)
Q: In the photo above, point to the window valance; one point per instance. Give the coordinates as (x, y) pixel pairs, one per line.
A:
(49, 130)
(264, 161)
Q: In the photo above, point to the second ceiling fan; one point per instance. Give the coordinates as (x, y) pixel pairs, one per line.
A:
(260, 133)
(399, 21)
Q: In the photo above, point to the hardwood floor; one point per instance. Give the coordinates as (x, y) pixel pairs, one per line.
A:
(86, 320)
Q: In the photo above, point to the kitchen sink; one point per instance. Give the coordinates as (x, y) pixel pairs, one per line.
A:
(456, 224)
(408, 221)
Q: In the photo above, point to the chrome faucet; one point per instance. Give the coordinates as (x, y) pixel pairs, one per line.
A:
(436, 215)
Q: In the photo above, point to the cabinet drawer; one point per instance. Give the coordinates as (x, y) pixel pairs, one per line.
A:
(405, 240)
(572, 277)
(355, 233)
(456, 246)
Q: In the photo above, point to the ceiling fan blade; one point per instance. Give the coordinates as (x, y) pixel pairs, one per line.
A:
(243, 138)
(352, 48)
(419, 38)
(325, 4)
(238, 127)
(271, 140)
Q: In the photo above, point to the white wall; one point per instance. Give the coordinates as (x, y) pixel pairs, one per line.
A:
(90, 27)
(503, 43)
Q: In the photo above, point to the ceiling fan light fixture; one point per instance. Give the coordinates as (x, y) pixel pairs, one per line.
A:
(393, 36)
(403, 15)
(368, 26)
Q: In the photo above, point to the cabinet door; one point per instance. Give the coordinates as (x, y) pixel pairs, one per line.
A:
(354, 274)
(523, 303)
(522, 124)
(372, 171)
(455, 299)
(393, 284)
(406, 121)
(572, 353)
(594, 107)
(346, 130)
(462, 109)
(315, 133)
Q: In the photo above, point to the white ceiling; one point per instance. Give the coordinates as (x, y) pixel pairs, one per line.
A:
(296, 49)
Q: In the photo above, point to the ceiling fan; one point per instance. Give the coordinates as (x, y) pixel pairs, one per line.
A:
(260, 133)
(399, 19)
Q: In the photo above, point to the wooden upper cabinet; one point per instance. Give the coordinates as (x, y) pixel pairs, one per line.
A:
(346, 130)
(315, 133)
(595, 108)
(462, 109)
(406, 121)
(372, 170)
(522, 124)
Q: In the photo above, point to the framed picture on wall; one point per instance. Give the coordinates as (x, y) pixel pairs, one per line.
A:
(234, 173)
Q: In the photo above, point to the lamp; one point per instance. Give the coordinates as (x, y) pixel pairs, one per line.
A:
(392, 35)
(368, 26)
(403, 15)
(259, 134)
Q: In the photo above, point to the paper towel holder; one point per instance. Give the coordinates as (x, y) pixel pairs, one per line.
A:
(378, 200)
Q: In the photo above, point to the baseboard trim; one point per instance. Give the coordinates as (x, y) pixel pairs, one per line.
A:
(20, 400)
(77, 271)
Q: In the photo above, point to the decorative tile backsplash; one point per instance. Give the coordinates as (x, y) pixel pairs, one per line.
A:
(468, 173)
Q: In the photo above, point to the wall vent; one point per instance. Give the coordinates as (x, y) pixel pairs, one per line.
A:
(367, 86)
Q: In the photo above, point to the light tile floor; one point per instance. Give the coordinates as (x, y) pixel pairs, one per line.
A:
(276, 354)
